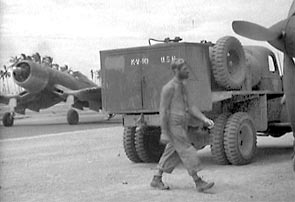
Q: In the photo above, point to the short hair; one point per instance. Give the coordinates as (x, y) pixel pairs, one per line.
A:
(36, 56)
(23, 56)
(177, 63)
(50, 59)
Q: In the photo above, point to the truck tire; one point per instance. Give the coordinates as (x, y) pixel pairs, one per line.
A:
(72, 117)
(129, 144)
(8, 119)
(240, 139)
(228, 63)
(147, 144)
(217, 139)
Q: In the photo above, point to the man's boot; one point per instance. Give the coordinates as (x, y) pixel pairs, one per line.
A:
(201, 185)
(158, 183)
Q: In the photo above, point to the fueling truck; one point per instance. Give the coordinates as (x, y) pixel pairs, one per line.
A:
(239, 87)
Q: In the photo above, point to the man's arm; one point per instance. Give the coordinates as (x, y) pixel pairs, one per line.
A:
(166, 96)
(194, 110)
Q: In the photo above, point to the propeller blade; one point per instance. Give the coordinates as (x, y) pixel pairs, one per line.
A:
(289, 90)
(253, 31)
(292, 9)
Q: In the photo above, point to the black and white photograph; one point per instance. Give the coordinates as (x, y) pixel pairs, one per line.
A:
(149, 101)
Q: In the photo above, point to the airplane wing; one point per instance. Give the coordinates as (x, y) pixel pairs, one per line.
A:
(87, 97)
(33, 101)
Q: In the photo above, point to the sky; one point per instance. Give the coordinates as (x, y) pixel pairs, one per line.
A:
(74, 31)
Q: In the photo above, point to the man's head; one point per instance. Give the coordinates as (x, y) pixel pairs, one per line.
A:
(23, 56)
(36, 57)
(47, 60)
(180, 68)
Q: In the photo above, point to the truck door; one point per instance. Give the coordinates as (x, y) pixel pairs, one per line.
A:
(274, 73)
(121, 82)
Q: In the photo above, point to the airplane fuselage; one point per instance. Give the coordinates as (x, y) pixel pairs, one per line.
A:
(37, 77)
(41, 83)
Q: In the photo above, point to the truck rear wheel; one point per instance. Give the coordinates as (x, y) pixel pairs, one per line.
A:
(147, 144)
(240, 138)
(228, 63)
(129, 144)
(217, 139)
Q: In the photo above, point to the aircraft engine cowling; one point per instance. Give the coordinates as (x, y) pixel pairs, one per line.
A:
(31, 76)
(290, 39)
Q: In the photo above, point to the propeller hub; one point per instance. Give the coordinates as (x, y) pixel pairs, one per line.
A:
(290, 37)
(21, 72)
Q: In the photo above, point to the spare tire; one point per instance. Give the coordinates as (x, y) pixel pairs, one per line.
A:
(228, 63)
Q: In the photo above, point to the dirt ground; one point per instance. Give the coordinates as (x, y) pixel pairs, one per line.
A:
(91, 166)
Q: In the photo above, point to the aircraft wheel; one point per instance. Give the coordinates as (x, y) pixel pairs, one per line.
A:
(147, 144)
(217, 139)
(8, 119)
(72, 117)
(129, 144)
(228, 63)
(111, 116)
(240, 138)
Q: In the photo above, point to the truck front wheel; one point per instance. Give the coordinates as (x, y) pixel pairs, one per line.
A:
(147, 144)
(240, 138)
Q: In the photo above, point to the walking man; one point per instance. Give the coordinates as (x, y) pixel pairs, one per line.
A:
(174, 111)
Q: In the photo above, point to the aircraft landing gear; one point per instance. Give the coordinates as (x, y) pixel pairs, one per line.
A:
(72, 117)
(8, 119)
(110, 116)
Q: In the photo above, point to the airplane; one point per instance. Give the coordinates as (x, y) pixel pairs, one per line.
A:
(281, 35)
(45, 87)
